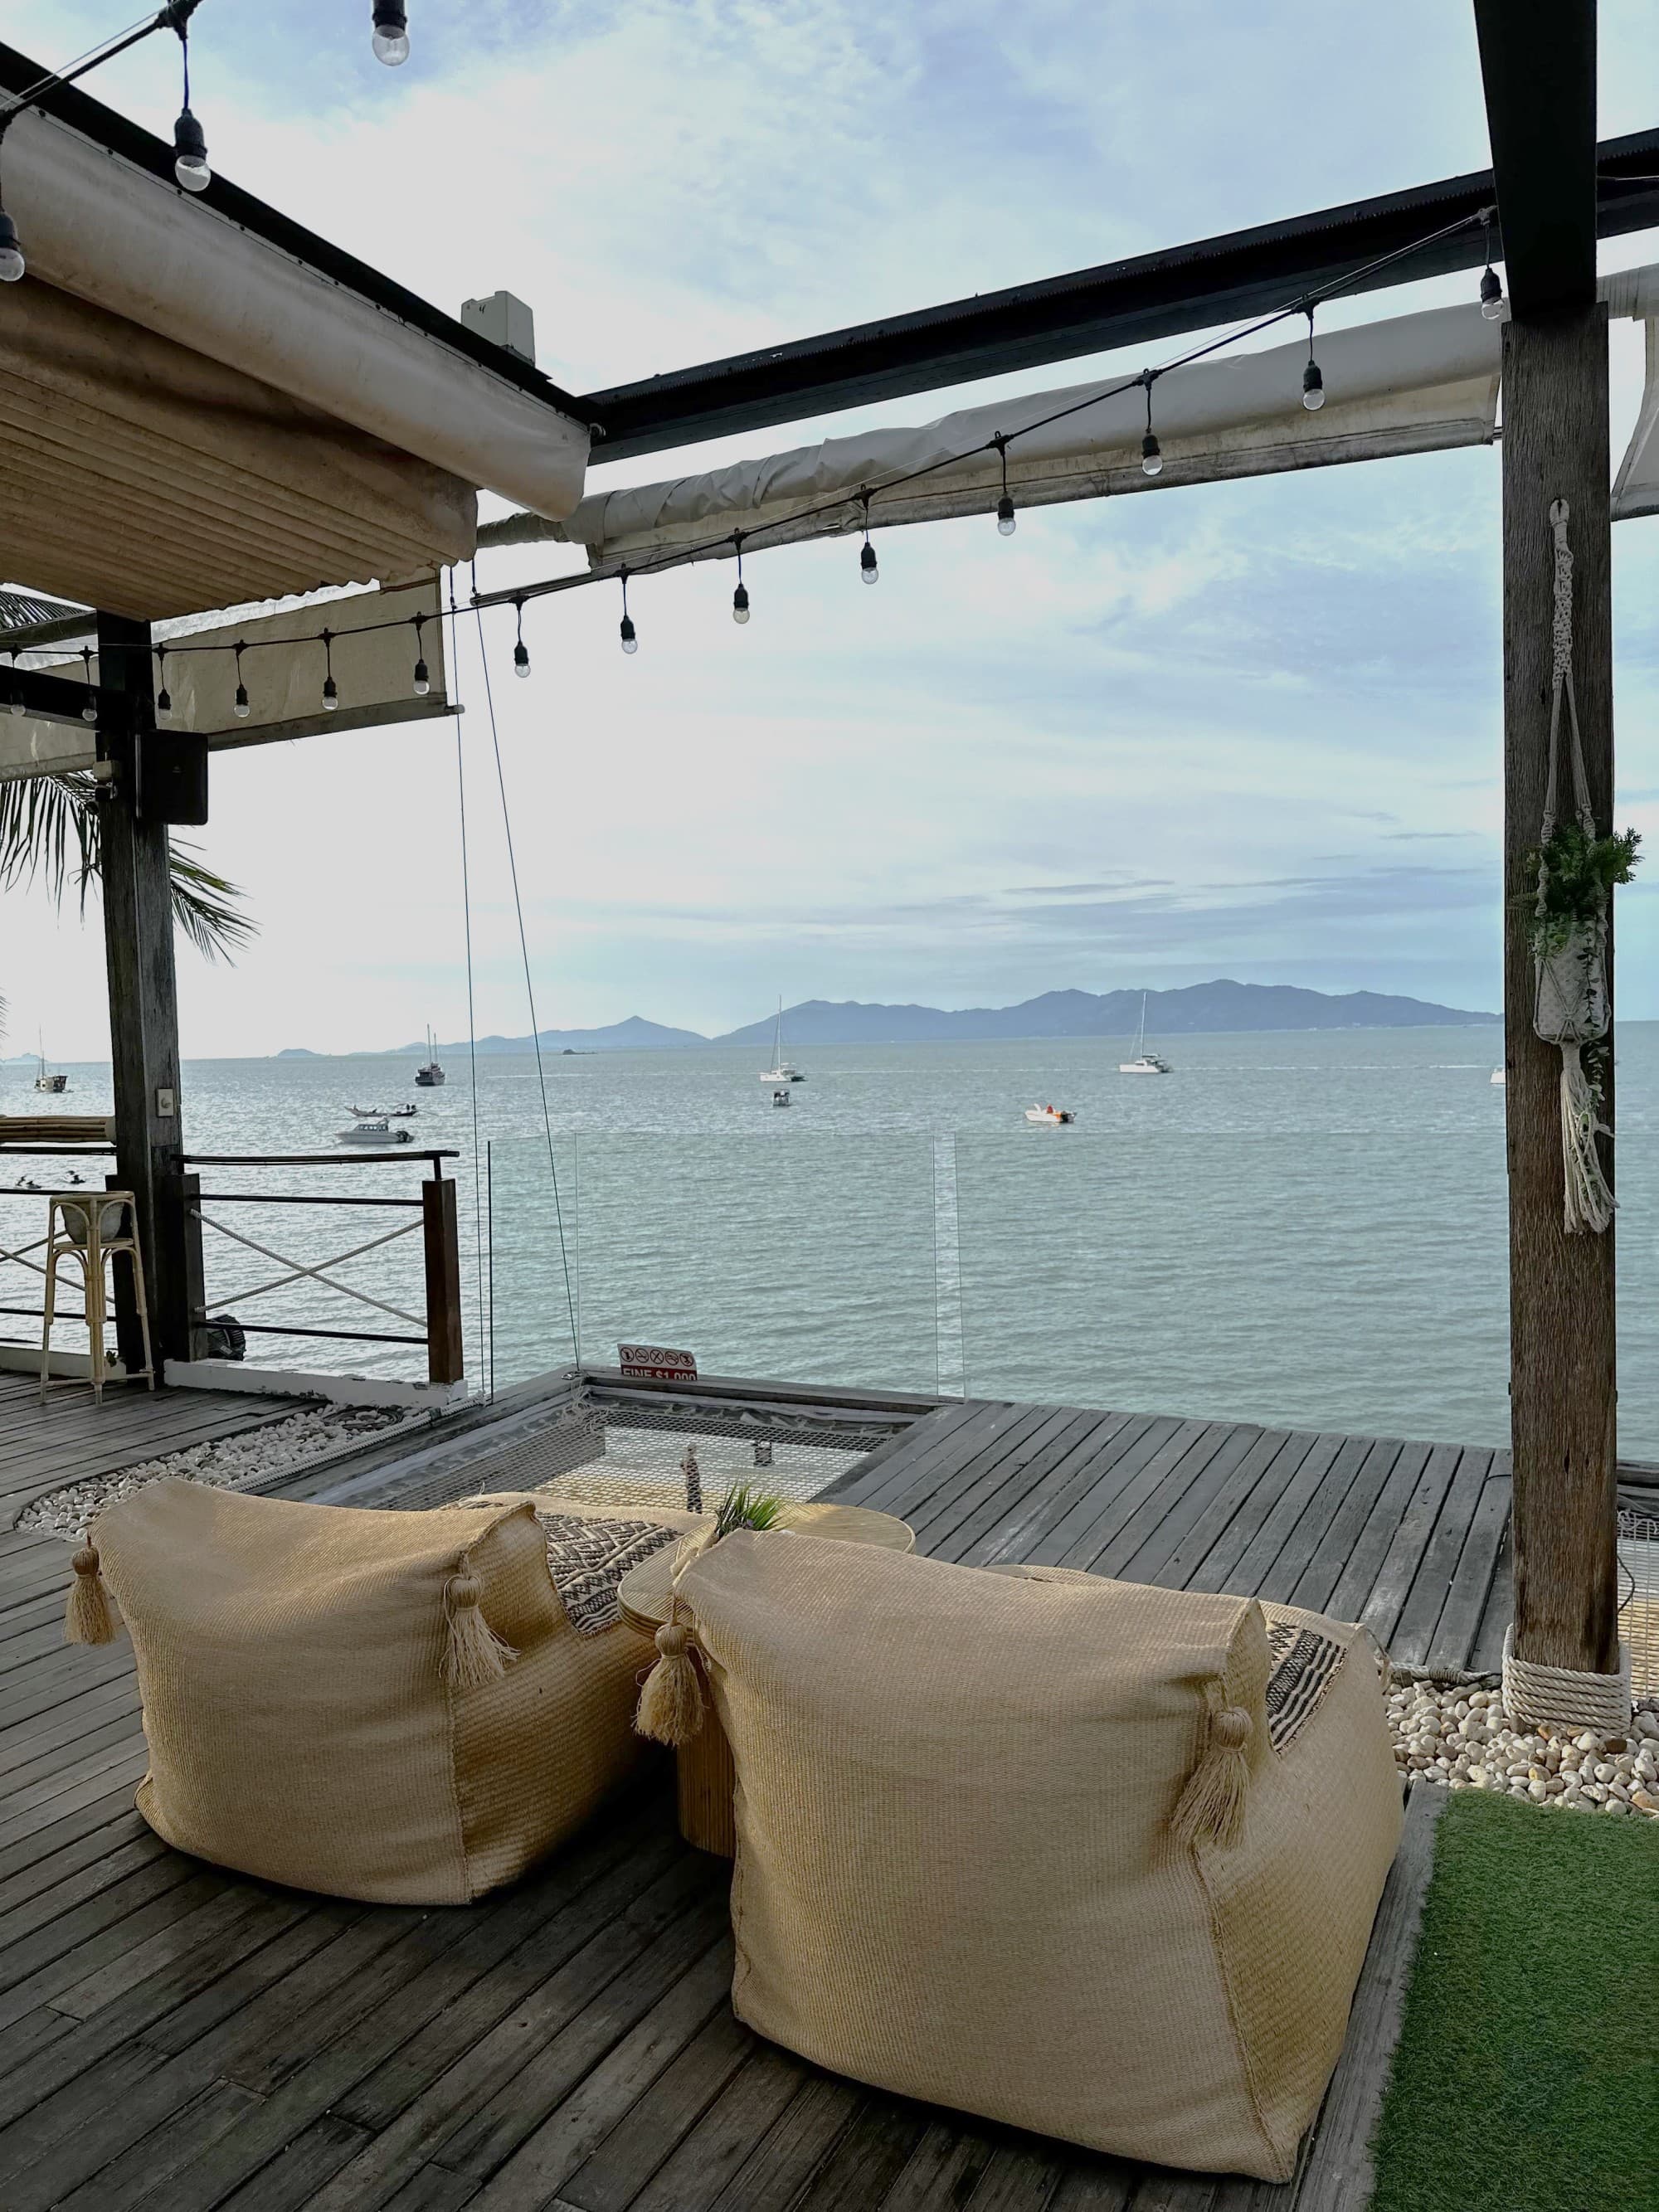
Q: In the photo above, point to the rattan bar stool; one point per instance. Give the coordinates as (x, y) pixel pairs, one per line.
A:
(90, 1227)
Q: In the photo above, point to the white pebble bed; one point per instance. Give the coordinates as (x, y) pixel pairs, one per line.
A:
(1462, 1738)
(282, 1447)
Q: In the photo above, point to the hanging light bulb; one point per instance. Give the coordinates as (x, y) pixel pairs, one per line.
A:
(89, 711)
(422, 676)
(521, 650)
(331, 691)
(390, 38)
(12, 264)
(163, 696)
(1152, 454)
(868, 568)
(241, 687)
(1313, 384)
(190, 151)
(740, 597)
(1491, 291)
(1006, 523)
(631, 642)
(189, 163)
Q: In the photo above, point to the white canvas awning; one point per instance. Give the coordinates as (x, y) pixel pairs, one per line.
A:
(373, 655)
(143, 478)
(1407, 385)
(1635, 487)
(96, 226)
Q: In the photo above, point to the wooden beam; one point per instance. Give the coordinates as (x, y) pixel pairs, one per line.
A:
(1538, 65)
(1562, 1344)
(143, 1000)
(445, 1357)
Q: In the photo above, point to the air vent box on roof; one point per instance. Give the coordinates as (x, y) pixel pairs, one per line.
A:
(505, 321)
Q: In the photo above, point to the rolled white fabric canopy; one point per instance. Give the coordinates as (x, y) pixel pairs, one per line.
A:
(94, 225)
(1407, 385)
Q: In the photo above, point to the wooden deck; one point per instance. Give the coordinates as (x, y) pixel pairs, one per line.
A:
(176, 2037)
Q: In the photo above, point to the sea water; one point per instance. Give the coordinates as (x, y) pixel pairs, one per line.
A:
(1301, 1228)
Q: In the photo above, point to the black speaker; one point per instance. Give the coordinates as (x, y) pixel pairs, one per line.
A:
(173, 777)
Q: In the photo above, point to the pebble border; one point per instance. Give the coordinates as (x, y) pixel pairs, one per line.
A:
(1455, 1732)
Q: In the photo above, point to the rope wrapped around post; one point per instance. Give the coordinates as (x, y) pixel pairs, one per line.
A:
(1570, 995)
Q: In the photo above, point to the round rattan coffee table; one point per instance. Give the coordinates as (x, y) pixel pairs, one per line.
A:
(706, 1777)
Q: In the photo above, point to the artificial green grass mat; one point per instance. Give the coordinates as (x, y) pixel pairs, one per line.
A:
(1527, 2075)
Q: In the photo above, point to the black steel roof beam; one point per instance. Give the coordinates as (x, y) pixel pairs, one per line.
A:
(1153, 296)
(1538, 66)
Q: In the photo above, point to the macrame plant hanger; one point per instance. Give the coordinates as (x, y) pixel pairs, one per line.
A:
(1570, 991)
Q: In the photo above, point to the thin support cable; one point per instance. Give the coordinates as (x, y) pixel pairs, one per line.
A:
(528, 989)
(472, 1020)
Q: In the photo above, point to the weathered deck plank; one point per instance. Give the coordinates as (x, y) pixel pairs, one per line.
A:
(174, 2038)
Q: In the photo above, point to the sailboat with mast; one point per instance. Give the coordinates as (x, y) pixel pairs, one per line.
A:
(781, 1070)
(48, 1079)
(432, 1074)
(1144, 1062)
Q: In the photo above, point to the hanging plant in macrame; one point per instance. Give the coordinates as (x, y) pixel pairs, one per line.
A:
(1571, 874)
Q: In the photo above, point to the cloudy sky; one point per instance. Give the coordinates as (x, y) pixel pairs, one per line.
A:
(1249, 729)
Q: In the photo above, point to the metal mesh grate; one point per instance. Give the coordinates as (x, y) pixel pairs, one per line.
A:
(608, 1453)
(1639, 1597)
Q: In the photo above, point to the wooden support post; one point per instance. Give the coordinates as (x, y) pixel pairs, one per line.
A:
(1562, 1349)
(445, 1357)
(143, 1001)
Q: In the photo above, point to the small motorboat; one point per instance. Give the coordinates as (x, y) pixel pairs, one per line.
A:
(377, 1132)
(382, 1113)
(1052, 1117)
(780, 1096)
(1499, 1075)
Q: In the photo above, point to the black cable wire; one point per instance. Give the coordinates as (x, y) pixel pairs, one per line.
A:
(529, 991)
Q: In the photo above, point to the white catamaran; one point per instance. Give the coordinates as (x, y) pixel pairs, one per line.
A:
(781, 1070)
(1144, 1062)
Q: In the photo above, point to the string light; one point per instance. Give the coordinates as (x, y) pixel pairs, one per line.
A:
(868, 568)
(89, 711)
(241, 687)
(189, 145)
(330, 693)
(1491, 291)
(521, 650)
(12, 264)
(1007, 524)
(1313, 384)
(740, 597)
(1152, 454)
(163, 696)
(422, 679)
(631, 642)
(390, 38)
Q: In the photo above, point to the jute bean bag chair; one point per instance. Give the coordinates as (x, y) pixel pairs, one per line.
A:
(385, 1706)
(1084, 1856)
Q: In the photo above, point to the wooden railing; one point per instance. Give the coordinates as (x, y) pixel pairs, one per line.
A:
(439, 1327)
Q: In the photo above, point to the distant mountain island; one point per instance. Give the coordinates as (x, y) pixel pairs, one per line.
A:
(1221, 1006)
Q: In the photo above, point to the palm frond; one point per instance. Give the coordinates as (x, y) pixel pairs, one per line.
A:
(51, 829)
(204, 907)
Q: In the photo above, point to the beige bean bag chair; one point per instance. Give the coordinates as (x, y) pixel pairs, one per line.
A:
(1084, 1856)
(385, 1705)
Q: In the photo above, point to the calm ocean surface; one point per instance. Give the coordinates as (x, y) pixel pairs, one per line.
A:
(1300, 1228)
